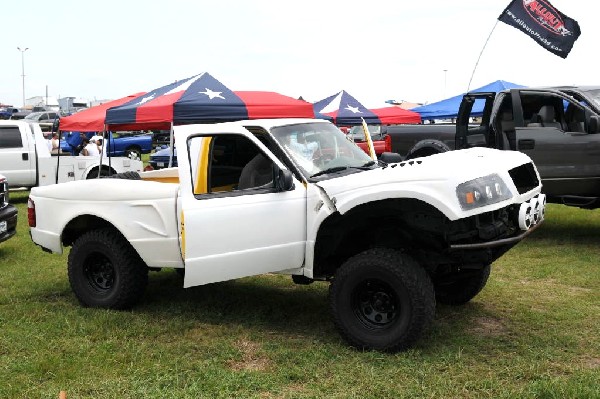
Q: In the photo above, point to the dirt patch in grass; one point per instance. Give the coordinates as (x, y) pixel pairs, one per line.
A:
(592, 363)
(251, 360)
(488, 326)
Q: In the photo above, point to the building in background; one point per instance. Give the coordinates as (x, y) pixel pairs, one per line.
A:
(70, 105)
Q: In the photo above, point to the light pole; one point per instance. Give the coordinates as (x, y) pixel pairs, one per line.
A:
(23, 69)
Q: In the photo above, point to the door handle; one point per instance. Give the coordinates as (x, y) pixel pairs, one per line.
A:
(526, 144)
(25, 156)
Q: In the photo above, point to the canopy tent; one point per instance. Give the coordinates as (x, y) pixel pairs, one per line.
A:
(448, 108)
(202, 99)
(93, 118)
(345, 110)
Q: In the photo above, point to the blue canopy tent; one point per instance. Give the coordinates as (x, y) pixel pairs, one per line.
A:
(448, 108)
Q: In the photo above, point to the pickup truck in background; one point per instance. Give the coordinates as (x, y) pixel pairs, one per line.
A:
(381, 141)
(558, 128)
(7, 112)
(122, 144)
(26, 161)
(8, 212)
(296, 197)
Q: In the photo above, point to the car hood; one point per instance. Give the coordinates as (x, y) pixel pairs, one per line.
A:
(432, 179)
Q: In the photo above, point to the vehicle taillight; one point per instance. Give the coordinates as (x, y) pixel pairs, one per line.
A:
(388, 143)
(31, 212)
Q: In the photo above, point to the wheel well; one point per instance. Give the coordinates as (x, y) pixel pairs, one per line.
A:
(405, 224)
(133, 147)
(82, 224)
(425, 148)
(106, 170)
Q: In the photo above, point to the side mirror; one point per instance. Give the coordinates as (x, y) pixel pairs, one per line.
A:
(284, 180)
(390, 157)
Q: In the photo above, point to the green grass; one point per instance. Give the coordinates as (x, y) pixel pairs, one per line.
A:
(533, 332)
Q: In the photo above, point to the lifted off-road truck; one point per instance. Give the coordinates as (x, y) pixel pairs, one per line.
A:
(294, 196)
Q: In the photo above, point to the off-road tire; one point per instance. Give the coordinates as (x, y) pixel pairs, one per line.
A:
(131, 175)
(105, 271)
(463, 288)
(425, 148)
(381, 300)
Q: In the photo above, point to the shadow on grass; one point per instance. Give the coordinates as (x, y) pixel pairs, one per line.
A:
(272, 303)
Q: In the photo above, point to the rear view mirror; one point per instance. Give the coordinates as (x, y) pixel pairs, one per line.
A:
(284, 180)
(390, 157)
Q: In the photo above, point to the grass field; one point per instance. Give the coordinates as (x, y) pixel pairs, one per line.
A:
(533, 332)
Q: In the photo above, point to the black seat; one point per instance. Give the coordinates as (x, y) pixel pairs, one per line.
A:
(548, 117)
(257, 172)
(507, 124)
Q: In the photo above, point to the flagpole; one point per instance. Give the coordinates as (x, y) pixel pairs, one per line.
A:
(477, 63)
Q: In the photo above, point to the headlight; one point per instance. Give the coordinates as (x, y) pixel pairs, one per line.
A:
(482, 191)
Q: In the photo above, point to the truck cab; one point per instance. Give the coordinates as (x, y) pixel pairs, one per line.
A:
(558, 131)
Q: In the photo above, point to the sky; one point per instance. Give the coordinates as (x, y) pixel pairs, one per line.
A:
(378, 50)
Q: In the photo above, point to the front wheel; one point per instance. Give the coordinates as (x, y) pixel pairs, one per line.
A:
(381, 299)
(105, 271)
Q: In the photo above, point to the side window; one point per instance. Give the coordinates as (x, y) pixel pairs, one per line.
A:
(10, 137)
(228, 164)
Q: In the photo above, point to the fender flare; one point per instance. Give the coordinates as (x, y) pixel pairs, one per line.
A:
(425, 148)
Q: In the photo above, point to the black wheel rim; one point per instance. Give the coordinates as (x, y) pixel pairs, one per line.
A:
(99, 272)
(375, 303)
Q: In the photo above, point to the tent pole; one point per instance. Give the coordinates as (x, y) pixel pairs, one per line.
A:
(172, 150)
(477, 63)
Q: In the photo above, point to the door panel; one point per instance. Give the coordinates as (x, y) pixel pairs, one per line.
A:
(233, 232)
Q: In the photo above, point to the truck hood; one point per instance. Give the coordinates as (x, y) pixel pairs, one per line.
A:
(432, 179)
(107, 190)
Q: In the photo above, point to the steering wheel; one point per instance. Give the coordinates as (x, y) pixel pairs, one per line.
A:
(321, 159)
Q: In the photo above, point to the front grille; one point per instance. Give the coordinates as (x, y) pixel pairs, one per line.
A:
(3, 194)
(524, 177)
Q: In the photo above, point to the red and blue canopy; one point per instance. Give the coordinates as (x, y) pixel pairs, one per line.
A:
(93, 118)
(202, 99)
(346, 110)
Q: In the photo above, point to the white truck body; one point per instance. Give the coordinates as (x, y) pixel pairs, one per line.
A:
(26, 161)
(170, 219)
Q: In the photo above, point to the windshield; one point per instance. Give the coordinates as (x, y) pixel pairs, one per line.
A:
(33, 116)
(594, 95)
(319, 147)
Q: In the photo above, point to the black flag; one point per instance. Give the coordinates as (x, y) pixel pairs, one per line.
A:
(550, 28)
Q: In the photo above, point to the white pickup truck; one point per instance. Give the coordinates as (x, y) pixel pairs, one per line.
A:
(294, 196)
(26, 161)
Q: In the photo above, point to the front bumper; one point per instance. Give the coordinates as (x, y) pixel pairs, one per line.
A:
(8, 215)
(529, 217)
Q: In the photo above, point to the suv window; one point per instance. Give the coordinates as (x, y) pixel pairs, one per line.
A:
(10, 137)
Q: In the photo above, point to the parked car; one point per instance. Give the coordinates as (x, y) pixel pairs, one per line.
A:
(42, 117)
(160, 159)
(8, 213)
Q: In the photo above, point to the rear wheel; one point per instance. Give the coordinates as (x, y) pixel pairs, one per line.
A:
(105, 271)
(462, 287)
(381, 299)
